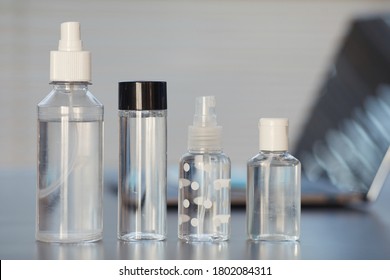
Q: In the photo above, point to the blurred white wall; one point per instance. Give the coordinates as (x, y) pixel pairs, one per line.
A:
(260, 59)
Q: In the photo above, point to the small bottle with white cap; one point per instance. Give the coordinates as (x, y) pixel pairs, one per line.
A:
(273, 206)
(204, 179)
(70, 148)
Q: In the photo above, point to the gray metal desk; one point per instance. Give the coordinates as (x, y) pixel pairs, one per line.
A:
(345, 233)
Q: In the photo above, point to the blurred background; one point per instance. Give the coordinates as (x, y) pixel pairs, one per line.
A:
(259, 58)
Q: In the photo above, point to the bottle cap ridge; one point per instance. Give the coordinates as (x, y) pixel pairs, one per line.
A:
(70, 63)
(273, 134)
(142, 95)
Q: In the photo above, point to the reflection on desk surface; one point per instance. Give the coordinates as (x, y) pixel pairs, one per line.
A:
(327, 233)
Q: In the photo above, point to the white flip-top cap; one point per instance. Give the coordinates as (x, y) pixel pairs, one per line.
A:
(273, 134)
(70, 63)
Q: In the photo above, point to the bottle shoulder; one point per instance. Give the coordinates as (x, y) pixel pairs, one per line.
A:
(281, 159)
(66, 97)
(77, 103)
(212, 156)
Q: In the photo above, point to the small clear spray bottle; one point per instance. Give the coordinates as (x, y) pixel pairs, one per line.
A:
(273, 208)
(204, 179)
(70, 148)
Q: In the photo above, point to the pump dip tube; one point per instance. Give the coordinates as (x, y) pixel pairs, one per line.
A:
(204, 179)
(142, 189)
(70, 148)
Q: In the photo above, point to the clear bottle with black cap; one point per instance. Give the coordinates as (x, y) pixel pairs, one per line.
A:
(142, 160)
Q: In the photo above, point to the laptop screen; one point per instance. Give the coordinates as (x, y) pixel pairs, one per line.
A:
(347, 133)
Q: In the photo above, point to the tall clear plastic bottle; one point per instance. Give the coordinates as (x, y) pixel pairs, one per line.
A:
(142, 188)
(273, 186)
(70, 148)
(204, 179)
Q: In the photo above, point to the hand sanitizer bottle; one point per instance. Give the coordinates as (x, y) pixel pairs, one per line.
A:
(273, 186)
(70, 148)
(204, 179)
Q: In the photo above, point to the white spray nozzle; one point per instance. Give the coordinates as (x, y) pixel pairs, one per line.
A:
(70, 37)
(70, 63)
(205, 134)
(205, 114)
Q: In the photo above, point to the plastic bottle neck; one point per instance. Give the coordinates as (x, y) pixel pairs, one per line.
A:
(273, 152)
(205, 150)
(70, 86)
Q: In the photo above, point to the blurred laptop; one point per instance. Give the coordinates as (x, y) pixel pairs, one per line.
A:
(344, 145)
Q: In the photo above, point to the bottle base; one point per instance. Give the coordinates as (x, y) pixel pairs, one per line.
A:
(203, 238)
(68, 238)
(139, 236)
(273, 237)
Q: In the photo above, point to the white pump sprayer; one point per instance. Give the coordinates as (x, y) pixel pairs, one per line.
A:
(205, 134)
(70, 63)
(70, 37)
(204, 179)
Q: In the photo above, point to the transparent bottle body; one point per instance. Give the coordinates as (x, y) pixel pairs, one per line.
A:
(142, 189)
(70, 165)
(273, 197)
(204, 197)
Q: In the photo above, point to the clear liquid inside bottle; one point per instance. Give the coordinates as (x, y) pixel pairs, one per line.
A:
(70, 166)
(273, 197)
(142, 175)
(204, 197)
